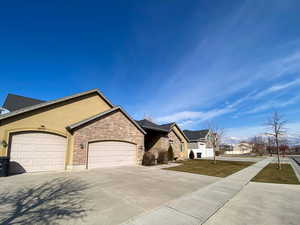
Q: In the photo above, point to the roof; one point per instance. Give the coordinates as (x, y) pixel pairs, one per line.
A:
(149, 125)
(45, 104)
(82, 122)
(166, 128)
(14, 102)
(196, 135)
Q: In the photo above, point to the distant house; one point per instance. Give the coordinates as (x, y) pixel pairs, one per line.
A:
(241, 148)
(200, 142)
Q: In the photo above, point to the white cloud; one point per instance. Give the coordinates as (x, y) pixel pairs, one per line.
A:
(245, 132)
(273, 104)
(277, 87)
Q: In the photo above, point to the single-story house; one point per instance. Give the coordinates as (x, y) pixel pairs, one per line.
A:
(200, 142)
(84, 130)
(165, 138)
(241, 148)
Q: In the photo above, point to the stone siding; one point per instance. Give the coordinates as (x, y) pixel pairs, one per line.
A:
(176, 144)
(115, 126)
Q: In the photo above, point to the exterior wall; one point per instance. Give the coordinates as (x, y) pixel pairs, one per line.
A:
(175, 132)
(193, 145)
(201, 147)
(161, 144)
(114, 126)
(54, 119)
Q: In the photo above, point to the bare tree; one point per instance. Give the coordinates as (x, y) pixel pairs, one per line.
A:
(276, 129)
(216, 135)
(258, 145)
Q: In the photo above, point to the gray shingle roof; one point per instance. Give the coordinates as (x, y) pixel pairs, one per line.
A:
(148, 125)
(14, 102)
(196, 135)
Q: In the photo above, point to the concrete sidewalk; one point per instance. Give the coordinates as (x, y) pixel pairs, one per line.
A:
(296, 167)
(199, 206)
(261, 203)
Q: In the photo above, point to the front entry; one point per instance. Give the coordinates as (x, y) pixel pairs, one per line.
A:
(170, 154)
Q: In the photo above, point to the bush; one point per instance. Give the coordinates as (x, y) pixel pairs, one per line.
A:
(162, 157)
(191, 155)
(148, 159)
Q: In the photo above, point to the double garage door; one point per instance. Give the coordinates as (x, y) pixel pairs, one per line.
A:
(39, 151)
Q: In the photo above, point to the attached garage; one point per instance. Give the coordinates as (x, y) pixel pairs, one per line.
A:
(37, 151)
(110, 154)
(89, 126)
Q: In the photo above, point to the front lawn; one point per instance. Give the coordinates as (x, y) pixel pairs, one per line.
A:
(270, 174)
(207, 167)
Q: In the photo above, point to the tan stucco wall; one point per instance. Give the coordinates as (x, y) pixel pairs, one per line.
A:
(184, 154)
(55, 119)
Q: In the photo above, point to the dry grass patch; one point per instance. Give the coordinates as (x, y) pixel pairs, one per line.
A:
(270, 174)
(207, 167)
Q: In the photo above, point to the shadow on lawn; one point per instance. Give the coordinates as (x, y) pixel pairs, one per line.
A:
(47, 203)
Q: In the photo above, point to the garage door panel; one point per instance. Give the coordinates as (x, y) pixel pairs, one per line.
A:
(111, 154)
(34, 151)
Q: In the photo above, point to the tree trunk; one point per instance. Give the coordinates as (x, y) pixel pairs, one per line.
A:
(215, 160)
(278, 157)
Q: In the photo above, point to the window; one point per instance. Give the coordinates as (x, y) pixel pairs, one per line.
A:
(181, 147)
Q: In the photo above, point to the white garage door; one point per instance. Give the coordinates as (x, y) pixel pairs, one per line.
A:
(36, 151)
(111, 153)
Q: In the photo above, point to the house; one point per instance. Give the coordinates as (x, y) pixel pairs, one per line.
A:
(80, 131)
(241, 148)
(165, 138)
(200, 142)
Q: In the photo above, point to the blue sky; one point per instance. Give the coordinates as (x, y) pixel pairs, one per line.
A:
(231, 62)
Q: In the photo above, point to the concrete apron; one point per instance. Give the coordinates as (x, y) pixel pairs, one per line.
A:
(199, 206)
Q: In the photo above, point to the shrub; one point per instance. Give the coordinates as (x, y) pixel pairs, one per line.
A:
(162, 157)
(191, 155)
(148, 159)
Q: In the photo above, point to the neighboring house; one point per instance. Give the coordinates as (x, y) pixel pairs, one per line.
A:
(200, 142)
(165, 138)
(84, 130)
(241, 148)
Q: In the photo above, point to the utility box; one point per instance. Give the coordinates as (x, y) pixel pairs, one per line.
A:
(4, 166)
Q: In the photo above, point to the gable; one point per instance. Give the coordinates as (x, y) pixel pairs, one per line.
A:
(56, 116)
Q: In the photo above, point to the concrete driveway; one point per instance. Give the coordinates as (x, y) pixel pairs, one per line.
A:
(101, 196)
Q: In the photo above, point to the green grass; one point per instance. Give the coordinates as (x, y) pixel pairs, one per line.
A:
(270, 174)
(207, 167)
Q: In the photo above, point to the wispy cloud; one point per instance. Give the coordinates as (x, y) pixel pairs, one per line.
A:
(276, 88)
(274, 104)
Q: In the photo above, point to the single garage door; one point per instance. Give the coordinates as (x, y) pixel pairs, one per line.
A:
(110, 154)
(36, 151)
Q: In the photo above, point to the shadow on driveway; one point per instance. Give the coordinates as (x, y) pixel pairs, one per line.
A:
(59, 199)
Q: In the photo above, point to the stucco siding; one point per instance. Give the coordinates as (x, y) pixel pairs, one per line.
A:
(54, 118)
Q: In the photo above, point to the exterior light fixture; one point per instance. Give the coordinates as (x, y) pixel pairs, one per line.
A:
(4, 143)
